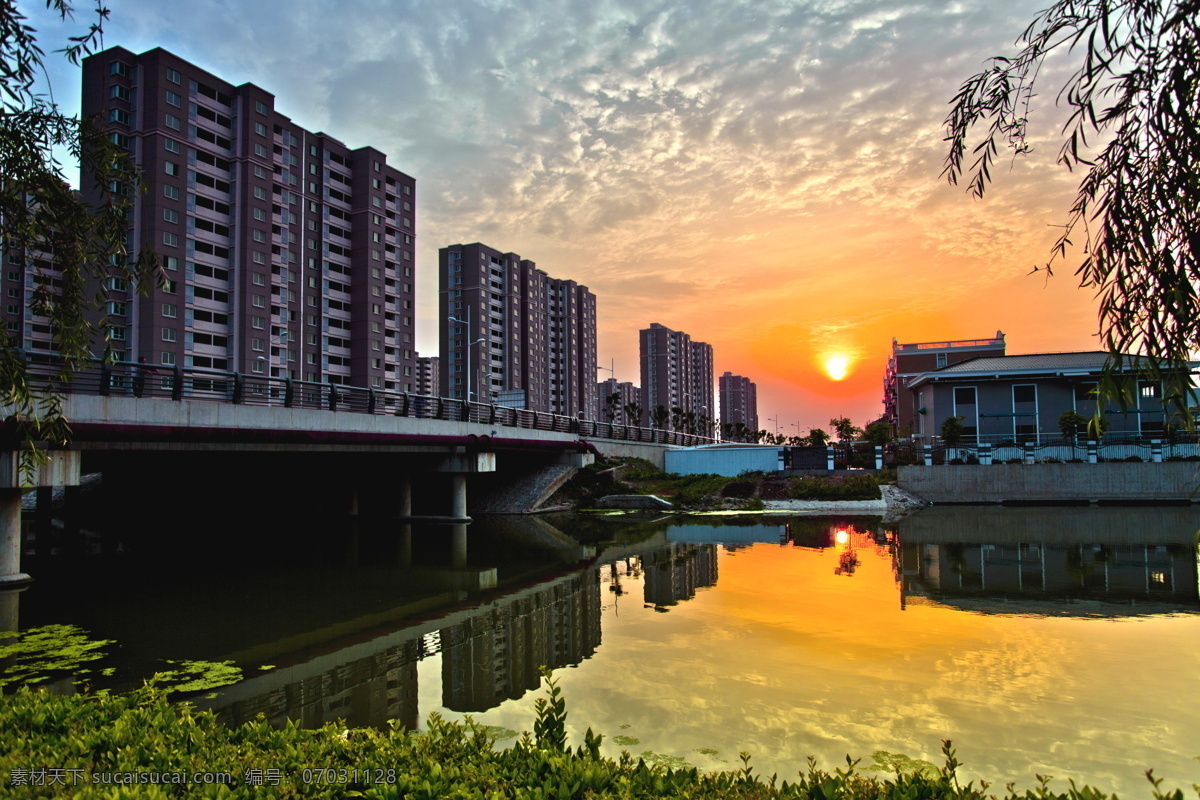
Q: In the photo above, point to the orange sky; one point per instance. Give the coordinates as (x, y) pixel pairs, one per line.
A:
(762, 176)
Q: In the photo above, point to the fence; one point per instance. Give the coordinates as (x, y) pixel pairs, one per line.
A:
(178, 383)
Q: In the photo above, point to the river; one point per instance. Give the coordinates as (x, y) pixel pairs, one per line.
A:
(1053, 641)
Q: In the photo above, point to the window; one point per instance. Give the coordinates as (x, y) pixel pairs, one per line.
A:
(258, 323)
(256, 345)
(114, 309)
(1024, 394)
(171, 192)
(260, 150)
(118, 115)
(173, 99)
(375, 308)
(171, 263)
(260, 214)
(260, 107)
(171, 168)
(257, 366)
(119, 68)
(260, 236)
(260, 129)
(168, 359)
(259, 258)
(169, 286)
(173, 76)
(168, 334)
(260, 171)
(171, 239)
(260, 193)
(119, 93)
(171, 146)
(259, 279)
(259, 301)
(173, 122)
(170, 310)
(1148, 389)
(170, 214)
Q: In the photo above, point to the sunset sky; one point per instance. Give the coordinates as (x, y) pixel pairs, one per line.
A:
(763, 176)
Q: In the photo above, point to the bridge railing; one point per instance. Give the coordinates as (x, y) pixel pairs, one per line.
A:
(123, 378)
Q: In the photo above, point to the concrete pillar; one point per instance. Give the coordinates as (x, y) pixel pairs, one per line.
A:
(878, 457)
(458, 545)
(405, 497)
(458, 497)
(10, 539)
(1156, 451)
(985, 455)
(1092, 451)
(829, 458)
(404, 547)
(927, 452)
(9, 608)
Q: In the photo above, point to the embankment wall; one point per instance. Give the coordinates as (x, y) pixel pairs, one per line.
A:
(1109, 482)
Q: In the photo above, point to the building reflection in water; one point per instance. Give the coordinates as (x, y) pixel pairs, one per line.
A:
(1114, 554)
(489, 654)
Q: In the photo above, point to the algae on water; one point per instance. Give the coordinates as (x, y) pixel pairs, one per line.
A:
(40, 654)
(196, 676)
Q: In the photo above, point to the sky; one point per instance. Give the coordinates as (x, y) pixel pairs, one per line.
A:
(761, 175)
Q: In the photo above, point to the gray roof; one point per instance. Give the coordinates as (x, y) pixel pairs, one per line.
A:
(1092, 359)
(1089, 362)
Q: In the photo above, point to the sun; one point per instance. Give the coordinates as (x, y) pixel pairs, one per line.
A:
(837, 367)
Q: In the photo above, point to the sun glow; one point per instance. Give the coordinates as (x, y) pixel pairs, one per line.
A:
(837, 367)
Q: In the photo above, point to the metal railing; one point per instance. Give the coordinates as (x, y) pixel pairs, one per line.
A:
(128, 379)
(1177, 447)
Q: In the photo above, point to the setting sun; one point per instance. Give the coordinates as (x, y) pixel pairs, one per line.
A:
(837, 367)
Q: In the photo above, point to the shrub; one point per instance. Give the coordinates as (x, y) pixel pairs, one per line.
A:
(739, 489)
(849, 487)
(886, 475)
(1132, 459)
(639, 469)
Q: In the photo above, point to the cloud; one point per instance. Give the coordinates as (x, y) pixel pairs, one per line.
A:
(641, 144)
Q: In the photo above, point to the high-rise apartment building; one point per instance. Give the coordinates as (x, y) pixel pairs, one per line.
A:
(509, 328)
(286, 252)
(739, 401)
(676, 372)
(428, 376)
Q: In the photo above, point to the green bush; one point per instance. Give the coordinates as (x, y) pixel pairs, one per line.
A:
(694, 490)
(741, 489)
(849, 487)
(141, 734)
(639, 469)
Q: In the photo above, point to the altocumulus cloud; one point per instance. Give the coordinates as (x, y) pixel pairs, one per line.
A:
(626, 138)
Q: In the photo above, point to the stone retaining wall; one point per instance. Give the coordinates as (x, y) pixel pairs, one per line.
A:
(997, 483)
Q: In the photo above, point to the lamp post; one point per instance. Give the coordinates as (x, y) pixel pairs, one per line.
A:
(467, 349)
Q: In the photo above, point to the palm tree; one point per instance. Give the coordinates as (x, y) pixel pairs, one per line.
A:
(633, 413)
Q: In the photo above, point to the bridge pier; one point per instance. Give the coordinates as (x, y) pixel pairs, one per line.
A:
(10, 540)
(61, 468)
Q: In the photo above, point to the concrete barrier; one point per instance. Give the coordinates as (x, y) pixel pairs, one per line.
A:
(998, 483)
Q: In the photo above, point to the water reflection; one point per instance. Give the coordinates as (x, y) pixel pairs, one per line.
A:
(785, 636)
(1111, 554)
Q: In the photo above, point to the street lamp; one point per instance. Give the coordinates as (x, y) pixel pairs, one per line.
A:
(467, 349)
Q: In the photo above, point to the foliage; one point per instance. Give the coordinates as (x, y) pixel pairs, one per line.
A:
(142, 733)
(953, 430)
(818, 437)
(1072, 424)
(43, 215)
(878, 432)
(639, 469)
(849, 487)
(1132, 133)
(846, 430)
(694, 490)
(739, 488)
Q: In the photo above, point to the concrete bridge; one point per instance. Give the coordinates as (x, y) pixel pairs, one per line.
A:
(174, 436)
